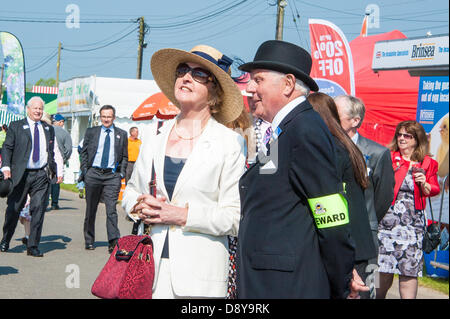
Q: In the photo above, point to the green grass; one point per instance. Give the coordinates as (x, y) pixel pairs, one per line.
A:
(70, 187)
(439, 284)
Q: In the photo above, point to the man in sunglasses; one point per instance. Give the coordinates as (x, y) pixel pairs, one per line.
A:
(380, 192)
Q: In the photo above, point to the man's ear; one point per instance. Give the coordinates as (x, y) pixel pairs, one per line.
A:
(289, 82)
(355, 121)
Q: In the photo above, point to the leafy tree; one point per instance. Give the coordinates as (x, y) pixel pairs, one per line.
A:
(46, 82)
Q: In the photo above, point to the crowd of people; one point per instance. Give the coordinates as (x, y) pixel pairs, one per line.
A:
(287, 200)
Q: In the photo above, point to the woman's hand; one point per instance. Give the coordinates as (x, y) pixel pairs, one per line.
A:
(421, 180)
(153, 210)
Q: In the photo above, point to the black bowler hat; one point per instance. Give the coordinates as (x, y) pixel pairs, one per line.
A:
(5, 186)
(283, 57)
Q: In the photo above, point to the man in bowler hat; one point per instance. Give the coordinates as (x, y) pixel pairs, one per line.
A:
(28, 160)
(294, 237)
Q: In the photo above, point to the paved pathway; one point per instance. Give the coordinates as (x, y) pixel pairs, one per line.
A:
(67, 270)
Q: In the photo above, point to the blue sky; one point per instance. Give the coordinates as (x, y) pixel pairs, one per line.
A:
(235, 27)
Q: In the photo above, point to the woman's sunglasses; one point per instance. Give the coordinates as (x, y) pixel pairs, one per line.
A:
(198, 74)
(406, 136)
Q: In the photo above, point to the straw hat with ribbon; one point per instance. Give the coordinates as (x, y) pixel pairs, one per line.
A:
(164, 63)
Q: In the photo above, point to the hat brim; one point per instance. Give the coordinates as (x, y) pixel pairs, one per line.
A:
(283, 68)
(163, 65)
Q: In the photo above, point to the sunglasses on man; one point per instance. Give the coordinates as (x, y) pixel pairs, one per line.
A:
(198, 74)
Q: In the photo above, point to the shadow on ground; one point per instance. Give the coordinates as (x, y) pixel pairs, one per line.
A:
(47, 244)
(7, 270)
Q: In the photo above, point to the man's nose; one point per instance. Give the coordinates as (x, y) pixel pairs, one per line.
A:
(251, 86)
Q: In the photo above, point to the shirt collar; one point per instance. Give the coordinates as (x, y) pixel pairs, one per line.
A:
(285, 111)
(105, 128)
(355, 138)
(31, 122)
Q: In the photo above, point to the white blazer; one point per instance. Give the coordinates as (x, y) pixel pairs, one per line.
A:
(208, 186)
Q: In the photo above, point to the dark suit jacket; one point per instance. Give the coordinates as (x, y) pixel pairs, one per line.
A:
(281, 253)
(380, 192)
(17, 148)
(90, 145)
(359, 218)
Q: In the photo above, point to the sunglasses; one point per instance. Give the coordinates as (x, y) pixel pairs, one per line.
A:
(198, 74)
(406, 136)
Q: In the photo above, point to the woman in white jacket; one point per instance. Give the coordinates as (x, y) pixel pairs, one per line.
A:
(198, 163)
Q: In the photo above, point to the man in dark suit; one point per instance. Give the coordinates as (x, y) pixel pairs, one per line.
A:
(104, 157)
(28, 159)
(294, 239)
(380, 192)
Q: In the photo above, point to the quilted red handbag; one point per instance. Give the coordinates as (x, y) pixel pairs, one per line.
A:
(129, 271)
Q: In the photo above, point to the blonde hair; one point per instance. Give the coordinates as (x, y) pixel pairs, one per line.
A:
(46, 118)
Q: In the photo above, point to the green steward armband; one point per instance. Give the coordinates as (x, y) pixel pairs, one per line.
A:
(329, 211)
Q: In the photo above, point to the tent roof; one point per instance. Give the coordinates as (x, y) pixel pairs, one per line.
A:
(124, 94)
(51, 107)
(389, 96)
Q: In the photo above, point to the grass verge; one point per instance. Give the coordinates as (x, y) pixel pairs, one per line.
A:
(439, 284)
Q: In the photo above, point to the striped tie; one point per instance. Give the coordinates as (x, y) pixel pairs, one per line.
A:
(268, 135)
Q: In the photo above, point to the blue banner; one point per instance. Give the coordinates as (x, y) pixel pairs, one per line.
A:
(432, 113)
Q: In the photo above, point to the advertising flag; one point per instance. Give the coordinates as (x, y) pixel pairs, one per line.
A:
(14, 74)
(332, 62)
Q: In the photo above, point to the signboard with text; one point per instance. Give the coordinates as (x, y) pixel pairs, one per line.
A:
(432, 114)
(75, 95)
(411, 53)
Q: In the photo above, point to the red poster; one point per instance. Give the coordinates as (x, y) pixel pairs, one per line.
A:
(332, 63)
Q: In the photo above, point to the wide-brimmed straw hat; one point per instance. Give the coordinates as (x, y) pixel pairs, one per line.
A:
(284, 57)
(164, 63)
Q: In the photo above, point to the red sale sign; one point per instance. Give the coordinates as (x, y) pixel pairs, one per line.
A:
(332, 63)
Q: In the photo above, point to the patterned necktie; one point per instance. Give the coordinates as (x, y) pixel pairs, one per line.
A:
(36, 150)
(268, 135)
(105, 155)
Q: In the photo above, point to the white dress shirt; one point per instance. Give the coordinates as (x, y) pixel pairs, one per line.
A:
(355, 138)
(42, 146)
(98, 156)
(279, 117)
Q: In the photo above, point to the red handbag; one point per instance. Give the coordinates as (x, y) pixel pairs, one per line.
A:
(129, 271)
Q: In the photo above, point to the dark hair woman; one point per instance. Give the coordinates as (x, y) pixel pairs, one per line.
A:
(400, 232)
(352, 167)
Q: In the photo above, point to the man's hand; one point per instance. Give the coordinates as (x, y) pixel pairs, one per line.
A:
(6, 174)
(356, 285)
(60, 180)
